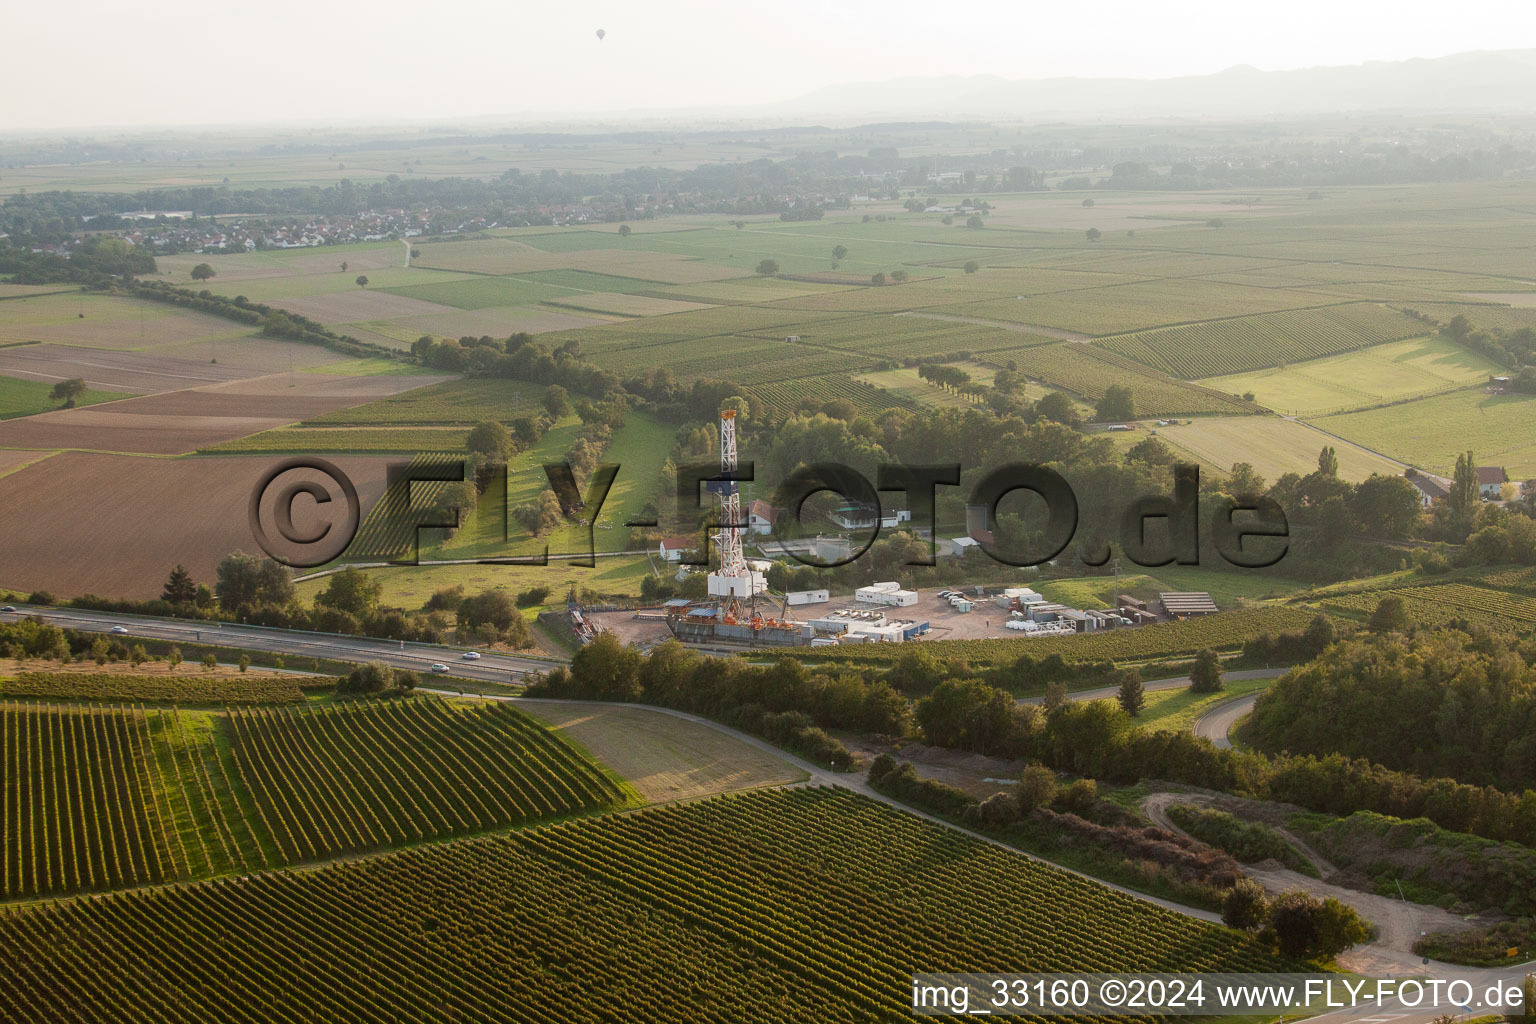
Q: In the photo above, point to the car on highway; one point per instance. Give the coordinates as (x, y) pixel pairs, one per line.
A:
(440, 668)
(8, 608)
(120, 630)
(471, 655)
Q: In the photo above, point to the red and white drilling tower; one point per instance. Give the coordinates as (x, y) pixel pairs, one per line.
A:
(734, 582)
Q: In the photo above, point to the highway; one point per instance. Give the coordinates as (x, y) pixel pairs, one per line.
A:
(490, 667)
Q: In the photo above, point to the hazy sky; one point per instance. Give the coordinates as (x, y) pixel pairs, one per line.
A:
(147, 62)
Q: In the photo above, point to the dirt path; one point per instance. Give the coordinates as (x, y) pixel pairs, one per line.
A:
(1399, 923)
(1170, 683)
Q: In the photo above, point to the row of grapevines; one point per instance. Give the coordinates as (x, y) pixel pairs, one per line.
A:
(802, 905)
(1441, 603)
(81, 810)
(358, 777)
(1217, 347)
(785, 396)
(1089, 371)
(163, 689)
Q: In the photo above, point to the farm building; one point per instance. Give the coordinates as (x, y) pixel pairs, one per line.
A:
(761, 516)
(854, 515)
(671, 548)
(1430, 489)
(1491, 481)
(960, 546)
(1187, 605)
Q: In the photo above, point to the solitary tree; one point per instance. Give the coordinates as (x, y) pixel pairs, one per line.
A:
(1087, 202)
(839, 251)
(975, 221)
(245, 662)
(1246, 907)
(624, 231)
(1328, 461)
(174, 658)
(1309, 928)
(767, 268)
(179, 587)
(490, 443)
(1390, 616)
(1205, 674)
(1117, 404)
(971, 266)
(362, 280)
(1037, 788)
(1094, 234)
(878, 279)
(1464, 488)
(899, 276)
(210, 662)
(67, 391)
(1131, 696)
(343, 266)
(202, 272)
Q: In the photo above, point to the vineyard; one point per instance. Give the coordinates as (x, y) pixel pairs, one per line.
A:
(748, 360)
(1222, 347)
(357, 777)
(389, 529)
(1225, 631)
(1438, 604)
(116, 797)
(802, 905)
(783, 397)
(1089, 371)
(163, 689)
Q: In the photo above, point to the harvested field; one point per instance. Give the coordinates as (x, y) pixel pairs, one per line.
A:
(663, 757)
(506, 256)
(183, 421)
(133, 518)
(12, 459)
(131, 332)
(360, 304)
(497, 322)
(131, 372)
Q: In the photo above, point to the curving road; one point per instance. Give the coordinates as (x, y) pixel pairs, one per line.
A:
(489, 667)
(1171, 683)
(1216, 724)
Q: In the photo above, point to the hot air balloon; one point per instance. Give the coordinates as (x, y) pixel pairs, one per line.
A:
(601, 33)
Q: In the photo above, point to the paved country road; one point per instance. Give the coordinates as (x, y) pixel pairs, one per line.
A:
(1216, 724)
(489, 667)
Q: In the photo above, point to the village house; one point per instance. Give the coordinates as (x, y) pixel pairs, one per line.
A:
(1491, 481)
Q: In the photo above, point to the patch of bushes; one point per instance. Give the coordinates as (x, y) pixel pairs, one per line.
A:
(1250, 842)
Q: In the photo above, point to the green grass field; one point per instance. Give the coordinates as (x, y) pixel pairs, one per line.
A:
(1271, 445)
(1430, 432)
(1371, 376)
(1178, 710)
(410, 586)
(26, 397)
